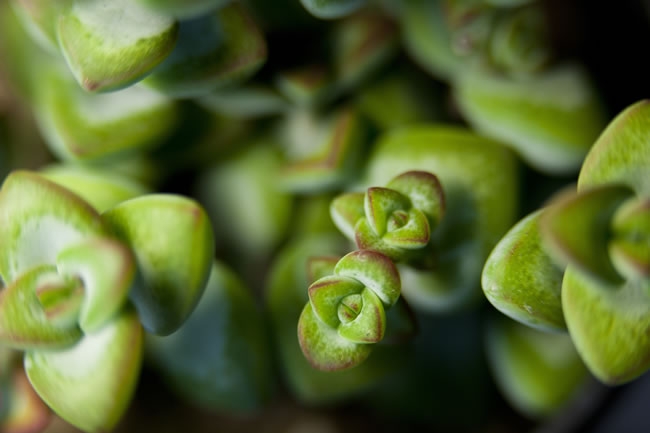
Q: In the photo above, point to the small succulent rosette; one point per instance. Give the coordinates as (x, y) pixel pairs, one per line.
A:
(81, 287)
(582, 262)
(302, 262)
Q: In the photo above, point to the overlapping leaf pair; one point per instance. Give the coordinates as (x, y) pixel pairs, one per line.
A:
(81, 286)
(582, 263)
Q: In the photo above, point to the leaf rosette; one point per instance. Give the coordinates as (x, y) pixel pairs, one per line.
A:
(587, 256)
(394, 220)
(346, 312)
(72, 278)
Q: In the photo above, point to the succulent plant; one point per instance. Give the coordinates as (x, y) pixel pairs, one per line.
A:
(581, 262)
(81, 286)
(367, 166)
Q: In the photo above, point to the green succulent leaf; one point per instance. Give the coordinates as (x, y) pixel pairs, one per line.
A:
(629, 249)
(576, 229)
(242, 197)
(551, 119)
(213, 51)
(24, 319)
(327, 151)
(108, 360)
(110, 44)
(107, 270)
(399, 98)
(374, 270)
(522, 281)
(621, 154)
(609, 324)
(424, 191)
(427, 38)
(101, 188)
(326, 295)
(220, 357)
(173, 242)
(38, 219)
(324, 348)
(368, 324)
(362, 44)
(331, 9)
(93, 127)
(40, 17)
(538, 372)
(184, 9)
(346, 210)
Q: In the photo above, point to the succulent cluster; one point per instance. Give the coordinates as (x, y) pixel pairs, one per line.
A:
(582, 262)
(82, 286)
(219, 189)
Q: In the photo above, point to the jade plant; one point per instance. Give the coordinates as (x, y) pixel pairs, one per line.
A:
(83, 286)
(581, 263)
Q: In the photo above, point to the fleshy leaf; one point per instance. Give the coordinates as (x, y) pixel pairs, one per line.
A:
(376, 271)
(243, 200)
(324, 348)
(78, 125)
(362, 44)
(39, 17)
(380, 204)
(609, 324)
(220, 358)
(24, 323)
(550, 119)
(630, 246)
(107, 269)
(427, 38)
(184, 9)
(101, 188)
(424, 191)
(213, 51)
(369, 325)
(326, 295)
(576, 229)
(173, 242)
(110, 44)
(331, 9)
(538, 372)
(108, 360)
(333, 151)
(521, 280)
(37, 220)
(621, 154)
(346, 210)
